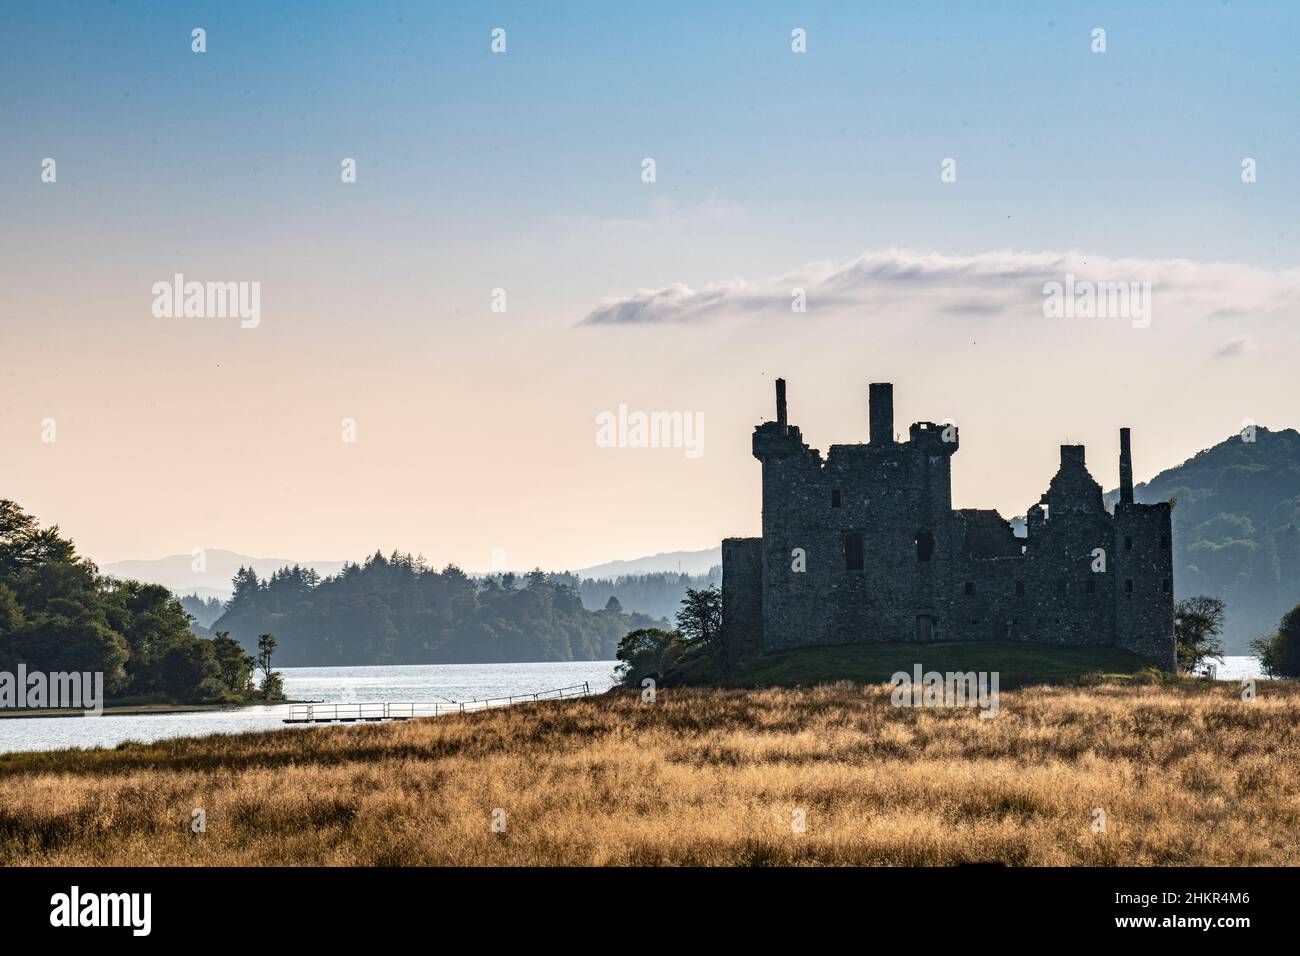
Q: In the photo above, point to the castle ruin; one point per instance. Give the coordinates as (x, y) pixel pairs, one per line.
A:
(865, 546)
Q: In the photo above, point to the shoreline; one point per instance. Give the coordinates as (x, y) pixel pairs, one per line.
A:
(124, 710)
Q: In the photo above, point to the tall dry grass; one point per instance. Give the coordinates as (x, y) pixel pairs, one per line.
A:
(1185, 775)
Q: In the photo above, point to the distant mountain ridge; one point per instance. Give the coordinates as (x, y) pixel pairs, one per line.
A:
(177, 571)
(1237, 528)
(693, 563)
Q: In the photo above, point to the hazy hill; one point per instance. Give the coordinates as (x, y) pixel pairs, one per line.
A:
(205, 594)
(694, 563)
(1237, 528)
(659, 595)
(204, 611)
(177, 571)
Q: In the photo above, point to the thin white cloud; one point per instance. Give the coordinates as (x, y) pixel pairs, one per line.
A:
(665, 214)
(980, 286)
(1232, 347)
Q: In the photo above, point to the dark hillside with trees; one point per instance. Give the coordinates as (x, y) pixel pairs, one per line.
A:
(658, 594)
(397, 610)
(203, 612)
(1237, 529)
(59, 614)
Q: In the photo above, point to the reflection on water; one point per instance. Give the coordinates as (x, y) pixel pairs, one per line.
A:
(1237, 668)
(415, 682)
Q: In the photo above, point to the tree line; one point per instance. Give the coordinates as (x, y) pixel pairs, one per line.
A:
(1198, 637)
(395, 609)
(59, 614)
(657, 593)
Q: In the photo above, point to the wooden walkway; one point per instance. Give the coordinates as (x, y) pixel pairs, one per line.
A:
(377, 710)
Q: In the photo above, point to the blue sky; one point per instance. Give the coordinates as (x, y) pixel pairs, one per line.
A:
(1131, 152)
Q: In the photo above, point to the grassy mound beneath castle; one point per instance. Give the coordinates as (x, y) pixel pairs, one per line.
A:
(1018, 663)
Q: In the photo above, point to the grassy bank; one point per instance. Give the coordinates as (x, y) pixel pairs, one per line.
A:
(114, 710)
(1018, 663)
(119, 710)
(1186, 774)
(144, 705)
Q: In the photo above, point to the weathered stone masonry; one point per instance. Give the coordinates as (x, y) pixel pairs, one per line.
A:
(887, 558)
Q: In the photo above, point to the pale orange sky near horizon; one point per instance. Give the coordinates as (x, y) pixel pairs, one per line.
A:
(177, 434)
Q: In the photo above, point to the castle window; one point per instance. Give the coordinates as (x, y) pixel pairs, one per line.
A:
(853, 551)
(1128, 586)
(1167, 586)
(923, 627)
(1020, 589)
(924, 545)
(970, 587)
(835, 498)
(1128, 543)
(1092, 586)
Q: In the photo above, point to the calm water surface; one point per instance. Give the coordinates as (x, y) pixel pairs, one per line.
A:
(413, 682)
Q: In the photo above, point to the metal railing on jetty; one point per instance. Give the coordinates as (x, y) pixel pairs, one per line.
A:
(378, 710)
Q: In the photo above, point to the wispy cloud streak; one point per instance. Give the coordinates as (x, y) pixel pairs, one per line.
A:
(981, 286)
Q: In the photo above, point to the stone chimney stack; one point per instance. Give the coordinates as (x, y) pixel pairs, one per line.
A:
(780, 402)
(1125, 468)
(881, 402)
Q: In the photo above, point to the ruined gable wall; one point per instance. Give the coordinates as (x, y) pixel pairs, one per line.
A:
(977, 583)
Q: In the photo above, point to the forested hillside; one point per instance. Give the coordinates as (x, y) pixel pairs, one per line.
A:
(657, 594)
(59, 614)
(1237, 529)
(397, 610)
(203, 611)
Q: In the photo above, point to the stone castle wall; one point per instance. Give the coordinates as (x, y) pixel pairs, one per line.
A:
(865, 546)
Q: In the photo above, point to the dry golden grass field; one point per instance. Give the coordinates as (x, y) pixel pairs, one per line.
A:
(1186, 774)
